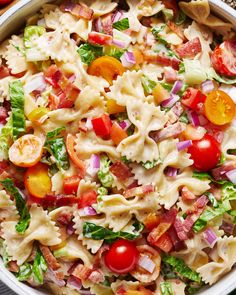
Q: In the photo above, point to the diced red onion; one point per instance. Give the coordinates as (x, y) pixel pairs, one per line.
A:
(125, 124)
(98, 25)
(168, 103)
(146, 263)
(119, 36)
(87, 211)
(37, 83)
(207, 86)
(227, 227)
(74, 283)
(177, 87)
(178, 109)
(128, 59)
(119, 43)
(193, 118)
(94, 165)
(210, 237)
(232, 176)
(116, 16)
(89, 124)
(95, 159)
(50, 276)
(70, 228)
(182, 145)
(85, 292)
(171, 171)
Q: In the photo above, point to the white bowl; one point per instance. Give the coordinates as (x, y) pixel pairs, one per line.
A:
(9, 22)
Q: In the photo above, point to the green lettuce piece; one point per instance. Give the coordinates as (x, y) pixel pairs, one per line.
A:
(39, 267)
(178, 265)
(211, 73)
(150, 164)
(95, 232)
(17, 105)
(212, 199)
(228, 192)
(166, 288)
(113, 51)
(24, 221)
(31, 34)
(5, 256)
(55, 133)
(24, 272)
(184, 118)
(205, 175)
(89, 52)
(104, 174)
(194, 72)
(168, 14)
(181, 18)
(148, 85)
(102, 191)
(122, 24)
(5, 138)
(156, 33)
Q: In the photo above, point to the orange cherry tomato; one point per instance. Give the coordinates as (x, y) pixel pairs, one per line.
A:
(117, 134)
(219, 108)
(106, 66)
(37, 182)
(26, 151)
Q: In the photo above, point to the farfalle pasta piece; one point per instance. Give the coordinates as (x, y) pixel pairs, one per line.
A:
(118, 210)
(86, 186)
(100, 289)
(52, 19)
(152, 71)
(223, 257)
(41, 228)
(127, 285)
(7, 207)
(4, 88)
(140, 147)
(56, 212)
(229, 143)
(199, 10)
(100, 7)
(61, 290)
(14, 56)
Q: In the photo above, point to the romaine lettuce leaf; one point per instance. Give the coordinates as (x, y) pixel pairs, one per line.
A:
(104, 174)
(148, 85)
(39, 267)
(5, 138)
(24, 272)
(89, 52)
(166, 288)
(31, 33)
(122, 24)
(211, 73)
(194, 72)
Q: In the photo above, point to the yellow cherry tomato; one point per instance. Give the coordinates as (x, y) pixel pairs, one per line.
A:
(37, 182)
(114, 108)
(219, 108)
(37, 114)
(106, 66)
(160, 94)
(26, 151)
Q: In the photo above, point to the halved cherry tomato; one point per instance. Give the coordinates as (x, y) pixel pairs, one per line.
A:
(37, 114)
(70, 184)
(164, 243)
(106, 66)
(223, 58)
(117, 134)
(193, 133)
(5, 2)
(26, 151)
(4, 72)
(219, 108)
(192, 97)
(99, 38)
(205, 153)
(113, 107)
(37, 182)
(70, 142)
(160, 94)
(122, 257)
(171, 4)
(87, 199)
(102, 125)
(151, 221)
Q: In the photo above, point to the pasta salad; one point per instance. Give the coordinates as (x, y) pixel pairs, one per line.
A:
(118, 148)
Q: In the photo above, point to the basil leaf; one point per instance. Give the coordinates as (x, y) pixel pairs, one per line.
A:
(122, 24)
(179, 266)
(89, 52)
(16, 93)
(95, 232)
(24, 221)
(104, 174)
(148, 85)
(166, 288)
(55, 133)
(24, 272)
(39, 267)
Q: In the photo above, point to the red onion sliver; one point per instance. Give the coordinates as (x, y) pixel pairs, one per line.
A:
(182, 145)
(116, 16)
(119, 43)
(168, 103)
(177, 87)
(128, 59)
(193, 118)
(232, 176)
(87, 211)
(210, 237)
(74, 283)
(70, 228)
(171, 171)
(146, 263)
(98, 25)
(95, 160)
(125, 124)
(207, 86)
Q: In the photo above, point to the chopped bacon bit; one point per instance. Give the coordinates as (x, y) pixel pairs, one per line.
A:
(176, 29)
(140, 190)
(98, 257)
(190, 49)
(170, 75)
(96, 277)
(12, 266)
(78, 10)
(199, 204)
(164, 243)
(164, 60)
(59, 201)
(3, 165)
(4, 72)
(169, 216)
(219, 173)
(120, 170)
(187, 195)
(169, 131)
(133, 184)
(50, 259)
(82, 272)
(3, 115)
(82, 126)
(180, 230)
(65, 218)
(157, 232)
(227, 227)
(106, 22)
(32, 254)
(177, 243)
(152, 221)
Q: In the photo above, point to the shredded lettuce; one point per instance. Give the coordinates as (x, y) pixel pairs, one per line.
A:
(181, 18)
(102, 191)
(31, 33)
(166, 288)
(122, 24)
(148, 84)
(168, 13)
(104, 174)
(5, 138)
(211, 73)
(39, 267)
(5, 256)
(178, 265)
(95, 232)
(205, 175)
(194, 72)
(184, 118)
(17, 105)
(149, 165)
(228, 192)
(55, 133)
(113, 51)
(89, 52)
(24, 272)
(212, 200)
(24, 221)
(156, 33)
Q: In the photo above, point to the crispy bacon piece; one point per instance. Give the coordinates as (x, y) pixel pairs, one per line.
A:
(140, 190)
(180, 230)
(187, 195)
(50, 259)
(176, 29)
(219, 173)
(3, 115)
(82, 272)
(177, 243)
(106, 22)
(96, 277)
(58, 201)
(190, 49)
(170, 75)
(120, 170)
(78, 10)
(13, 266)
(4, 72)
(64, 218)
(227, 227)
(163, 60)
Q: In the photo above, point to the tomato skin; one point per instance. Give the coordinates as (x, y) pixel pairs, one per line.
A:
(4, 2)
(223, 58)
(99, 38)
(102, 125)
(122, 257)
(117, 134)
(192, 97)
(87, 199)
(70, 184)
(205, 153)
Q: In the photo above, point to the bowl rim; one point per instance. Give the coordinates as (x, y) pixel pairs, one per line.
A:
(6, 276)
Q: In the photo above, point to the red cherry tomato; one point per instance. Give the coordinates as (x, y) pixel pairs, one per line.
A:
(192, 97)
(70, 184)
(102, 125)
(205, 153)
(223, 58)
(122, 257)
(99, 38)
(5, 2)
(87, 199)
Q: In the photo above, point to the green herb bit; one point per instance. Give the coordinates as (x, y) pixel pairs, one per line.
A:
(166, 288)
(102, 191)
(24, 272)
(181, 18)
(104, 174)
(148, 85)
(122, 24)
(150, 164)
